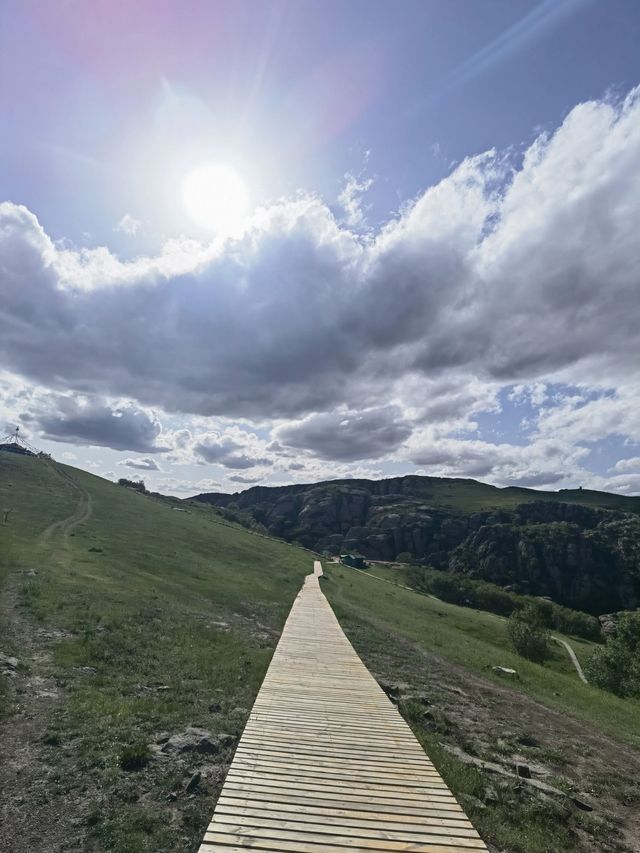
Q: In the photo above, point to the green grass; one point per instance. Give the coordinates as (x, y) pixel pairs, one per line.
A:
(172, 610)
(478, 641)
(389, 627)
(167, 614)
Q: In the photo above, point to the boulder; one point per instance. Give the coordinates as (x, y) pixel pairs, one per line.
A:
(194, 739)
(609, 624)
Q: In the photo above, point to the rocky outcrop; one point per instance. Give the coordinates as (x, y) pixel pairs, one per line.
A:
(582, 556)
(581, 567)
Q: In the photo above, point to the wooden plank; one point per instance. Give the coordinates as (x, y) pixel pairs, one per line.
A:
(374, 828)
(372, 797)
(259, 838)
(332, 815)
(326, 764)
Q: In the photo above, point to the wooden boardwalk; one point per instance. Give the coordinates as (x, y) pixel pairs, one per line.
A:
(326, 763)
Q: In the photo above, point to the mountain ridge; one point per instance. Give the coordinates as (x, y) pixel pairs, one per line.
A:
(579, 547)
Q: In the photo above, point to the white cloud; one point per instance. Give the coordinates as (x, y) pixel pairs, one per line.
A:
(628, 466)
(503, 273)
(175, 485)
(145, 463)
(350, 199)
(495, 272)
(544, 463)
(128, 225)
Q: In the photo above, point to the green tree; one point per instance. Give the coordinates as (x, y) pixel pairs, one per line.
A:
(528, 634)
(616, 666)
(404, 557)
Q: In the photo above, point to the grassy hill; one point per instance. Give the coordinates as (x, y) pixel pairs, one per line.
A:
(133, 617)
(135, 622)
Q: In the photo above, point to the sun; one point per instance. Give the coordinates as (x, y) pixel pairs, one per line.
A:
(216, 197)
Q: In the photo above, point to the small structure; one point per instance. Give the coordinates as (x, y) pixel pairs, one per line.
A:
(14, 443)
(353, 561)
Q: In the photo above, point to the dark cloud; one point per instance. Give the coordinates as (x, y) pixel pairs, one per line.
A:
(494, 273)
(463, 458)
(91, 421)
(348, 436)
(215, 450)
(228, 452)
(239, 478)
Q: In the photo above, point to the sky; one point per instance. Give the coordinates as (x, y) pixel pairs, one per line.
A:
(285, 241)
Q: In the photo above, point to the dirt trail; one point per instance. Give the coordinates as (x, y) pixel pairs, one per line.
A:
(36, 817)
(81, 513)
(34, 820)
(574, 659)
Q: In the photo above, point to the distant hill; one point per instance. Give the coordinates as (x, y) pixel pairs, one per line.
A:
(580, 547)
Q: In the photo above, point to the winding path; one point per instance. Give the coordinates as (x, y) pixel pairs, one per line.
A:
(326, 764)
(81, 513)
(573, 656)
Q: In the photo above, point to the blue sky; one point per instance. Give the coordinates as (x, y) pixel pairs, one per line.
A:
(283, 241)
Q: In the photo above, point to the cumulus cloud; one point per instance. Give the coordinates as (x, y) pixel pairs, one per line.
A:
(628, 466)
(543, 463)
(239, 478)
(348, 435)
(146, 463)
(231, 449)
(508, 272)
(128, 225)
(92, 421)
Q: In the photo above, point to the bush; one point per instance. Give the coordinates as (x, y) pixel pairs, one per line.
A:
(468, 592)
(138, 485)
(134, 757)
(528, 634)
(616, 667)
(404, 557)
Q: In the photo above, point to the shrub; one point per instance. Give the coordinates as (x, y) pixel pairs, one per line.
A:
(468, 592)
(404, 557)
(528, 634)
(137, 485)
(616, 667)
(134, 757)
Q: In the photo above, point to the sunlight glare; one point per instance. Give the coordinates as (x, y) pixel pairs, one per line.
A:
(216, 197)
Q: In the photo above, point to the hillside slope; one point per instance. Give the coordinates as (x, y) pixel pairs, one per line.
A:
(142, 627)
(437, 662)
(579, 547)
(130, 621)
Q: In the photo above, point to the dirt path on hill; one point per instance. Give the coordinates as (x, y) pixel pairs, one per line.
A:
(81, 513)
(496, 723)
(32, 812)
(573, 656)
(31, 816)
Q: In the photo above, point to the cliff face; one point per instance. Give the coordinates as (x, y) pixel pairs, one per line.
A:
(584, 557)
(591, 569)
